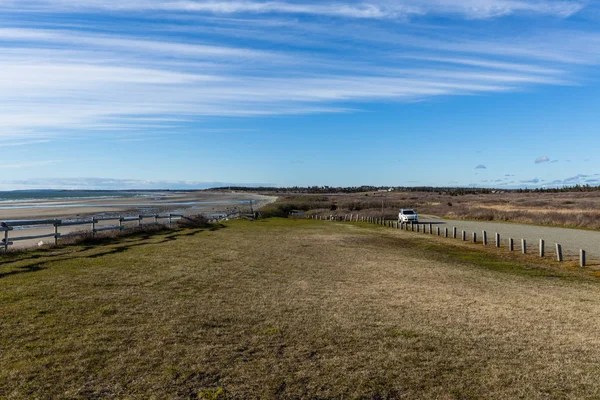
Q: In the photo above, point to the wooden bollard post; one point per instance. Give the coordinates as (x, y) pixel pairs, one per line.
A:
(351, 215)
(559, 255)
(582, 258)
(412, 226)
(524, 246)
(464, 236)
(438, 231)
(94, 226)
(474, 237)
(418, 227)
(140, 220)
(484, 237)
(431, 229)
(6, 241)
(511, 244)
(542, 248)
(446, 232)
(454, 232)
(497, 240)
(56, 234)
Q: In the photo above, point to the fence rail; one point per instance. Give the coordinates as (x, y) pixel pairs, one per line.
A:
(8, 227)
(582, 256)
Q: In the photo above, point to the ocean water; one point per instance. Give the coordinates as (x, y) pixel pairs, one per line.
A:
(48, 195)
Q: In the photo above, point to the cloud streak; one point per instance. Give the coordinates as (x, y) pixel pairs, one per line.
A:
(74, 76)
(85, 183)
(373, 9)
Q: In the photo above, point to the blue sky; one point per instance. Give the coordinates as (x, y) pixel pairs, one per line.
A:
(183, 93)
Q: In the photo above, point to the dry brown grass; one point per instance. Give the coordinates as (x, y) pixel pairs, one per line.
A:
(294, 309)
(576, 209)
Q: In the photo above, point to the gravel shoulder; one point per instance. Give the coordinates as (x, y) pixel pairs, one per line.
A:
(571, 239)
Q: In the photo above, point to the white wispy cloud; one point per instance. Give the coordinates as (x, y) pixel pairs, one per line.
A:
(542, 159)
(94, 183)
(79, 77)
(22, 143)
(352, 9)
(29, 164)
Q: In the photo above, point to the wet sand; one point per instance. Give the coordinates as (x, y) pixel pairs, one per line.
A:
(186, 203)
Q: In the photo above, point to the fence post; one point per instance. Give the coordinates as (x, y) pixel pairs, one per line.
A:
(474, 237)
(542, 248)
(156, 218)
(497, 240)
(511, 244)
(446, 232)
(56, 234)
(524, 246)
(484, 238)
(438, 231)
(464, 236)
(419, 228)
(412, 226)
(93, 226)
(581, 258)
(6, 240)
(431, 229)
(559, 256)
(454, 232)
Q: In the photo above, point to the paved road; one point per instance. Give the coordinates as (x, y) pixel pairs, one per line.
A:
(571, 239)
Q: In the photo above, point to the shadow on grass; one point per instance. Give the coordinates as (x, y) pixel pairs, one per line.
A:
(23, 270)
(131, 241)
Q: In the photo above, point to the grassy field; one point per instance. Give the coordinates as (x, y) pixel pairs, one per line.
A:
(294, 309)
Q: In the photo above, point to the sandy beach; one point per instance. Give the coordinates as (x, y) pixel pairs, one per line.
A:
(186, 203)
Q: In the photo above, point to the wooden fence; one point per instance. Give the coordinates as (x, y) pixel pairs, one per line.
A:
(422, 227)
(8, 227)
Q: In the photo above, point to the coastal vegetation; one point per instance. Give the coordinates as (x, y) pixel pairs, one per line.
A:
(566, 209)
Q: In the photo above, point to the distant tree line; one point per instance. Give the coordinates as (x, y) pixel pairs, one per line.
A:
(453, 191)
